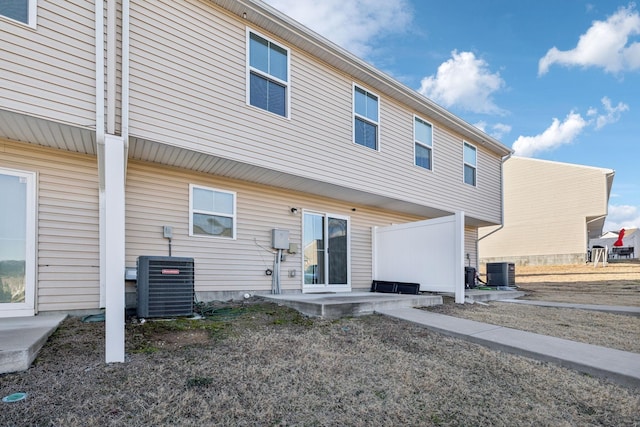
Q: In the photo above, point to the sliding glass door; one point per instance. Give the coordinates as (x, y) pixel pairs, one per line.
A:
(17, 243)
(326, 253)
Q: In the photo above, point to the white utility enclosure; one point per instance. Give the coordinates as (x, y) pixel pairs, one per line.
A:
(429, 252)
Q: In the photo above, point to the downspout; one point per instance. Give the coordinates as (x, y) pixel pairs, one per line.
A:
(587, 232)
(111, 67)
(504, 159)
(100, 132)
(609, 177)
(124, 131)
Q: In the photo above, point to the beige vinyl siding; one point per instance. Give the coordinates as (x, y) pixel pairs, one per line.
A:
(57, 83)
(546, 208)
(158, 196)
(188, 88)
(470, 247)
(67, 224)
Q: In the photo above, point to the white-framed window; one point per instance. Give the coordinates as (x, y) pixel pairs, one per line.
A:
(470, 163)
(366, 118)
(212, 212)
(423, 143)
(24, 11)
(267, 74)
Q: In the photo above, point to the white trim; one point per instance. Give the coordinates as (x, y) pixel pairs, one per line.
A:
(325, 287)
(464, 163)
(249, 69)
(32, 15)
(459, 254)
(355, 115)
(234, 216)
(28, 307)
(415, 141)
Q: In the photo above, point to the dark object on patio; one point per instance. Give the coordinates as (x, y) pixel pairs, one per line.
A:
(470, 278)
(395, 287)
(501, 274)
(626, 251)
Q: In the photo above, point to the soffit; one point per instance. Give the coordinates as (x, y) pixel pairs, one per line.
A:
(23, 128)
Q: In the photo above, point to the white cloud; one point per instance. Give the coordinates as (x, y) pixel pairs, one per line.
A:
(622, 216)
(554, 136)
(605, 44)
(354, 24)
(466, 82)
(497, 130)
(612, 114)
(482, 125)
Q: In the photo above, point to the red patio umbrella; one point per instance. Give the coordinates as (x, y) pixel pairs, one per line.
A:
(619, 241)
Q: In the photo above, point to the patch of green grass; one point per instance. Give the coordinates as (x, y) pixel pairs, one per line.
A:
(145, 348)
(219, 321)
(199, 382)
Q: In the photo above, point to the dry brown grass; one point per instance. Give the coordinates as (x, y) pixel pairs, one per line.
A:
(267, 365)
(616, 284)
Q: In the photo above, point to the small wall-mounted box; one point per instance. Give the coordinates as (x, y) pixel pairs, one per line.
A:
(279, 239)
(293, 248)
(130, 273)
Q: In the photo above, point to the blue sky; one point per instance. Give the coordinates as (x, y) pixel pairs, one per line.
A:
(554, 80)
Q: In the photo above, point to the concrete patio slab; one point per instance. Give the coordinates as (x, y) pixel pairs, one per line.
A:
(21, 338)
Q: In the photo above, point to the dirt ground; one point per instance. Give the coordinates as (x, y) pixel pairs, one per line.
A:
(259, 364)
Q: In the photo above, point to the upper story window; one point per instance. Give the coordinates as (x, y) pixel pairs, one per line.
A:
(20, 10)
(212, 212)
(365, 118)
(423, 140)
(268, 75)
(470, 164)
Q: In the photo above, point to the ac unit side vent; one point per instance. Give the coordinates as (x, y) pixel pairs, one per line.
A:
(165, 286)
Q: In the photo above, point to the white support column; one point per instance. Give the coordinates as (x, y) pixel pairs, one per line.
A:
(459, 254)
(103, 238)
(114, 207)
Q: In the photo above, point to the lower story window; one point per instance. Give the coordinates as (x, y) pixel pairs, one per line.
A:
(212, 212)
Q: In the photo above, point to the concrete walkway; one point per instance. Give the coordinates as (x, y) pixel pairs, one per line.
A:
(617, 365)
(615, 309)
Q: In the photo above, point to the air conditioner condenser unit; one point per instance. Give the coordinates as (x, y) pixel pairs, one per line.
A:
(165, 286)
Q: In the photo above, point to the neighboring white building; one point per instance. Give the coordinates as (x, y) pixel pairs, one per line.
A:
(223, 120)
(631, 239)
(551, 210)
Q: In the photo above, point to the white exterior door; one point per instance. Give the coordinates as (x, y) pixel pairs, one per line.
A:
(17, 243)
(326, 253)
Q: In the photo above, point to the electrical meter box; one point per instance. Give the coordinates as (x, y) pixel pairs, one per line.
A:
(279, 239)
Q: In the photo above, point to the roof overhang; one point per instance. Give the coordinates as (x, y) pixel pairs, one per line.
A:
(33, 130)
